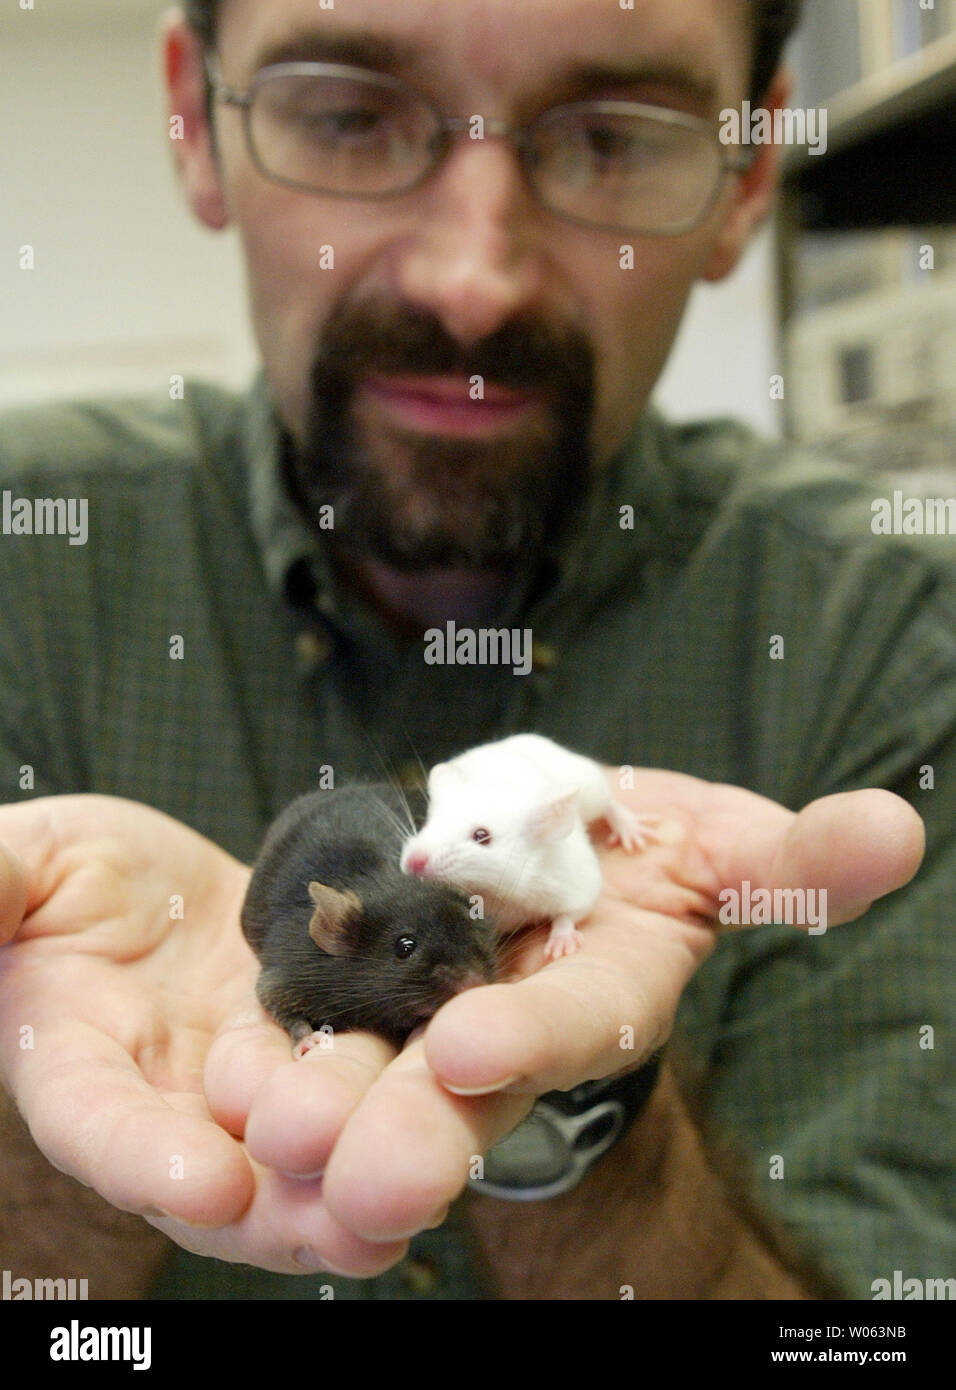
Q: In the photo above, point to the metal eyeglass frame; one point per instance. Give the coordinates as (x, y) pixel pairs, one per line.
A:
(519, 135)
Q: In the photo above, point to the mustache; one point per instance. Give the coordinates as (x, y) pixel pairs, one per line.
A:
(417, 501)
(524, 354)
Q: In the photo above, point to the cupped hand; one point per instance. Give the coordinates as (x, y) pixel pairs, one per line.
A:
(131, 1040)
(123, 959)
(395, 1138)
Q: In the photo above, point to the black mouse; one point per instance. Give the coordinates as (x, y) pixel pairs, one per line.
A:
(345, 938)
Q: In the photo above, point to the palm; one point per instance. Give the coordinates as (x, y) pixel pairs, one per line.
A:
(126, 964)
(120, 1043)
(129, 905)
(655, 918)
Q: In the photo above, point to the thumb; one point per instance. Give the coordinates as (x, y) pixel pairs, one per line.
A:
(858, 845)
(13, 894)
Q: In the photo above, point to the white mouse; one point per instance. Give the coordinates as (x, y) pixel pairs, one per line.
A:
(507, 820)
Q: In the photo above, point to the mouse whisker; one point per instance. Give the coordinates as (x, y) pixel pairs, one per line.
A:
(390, 776)
(421, 766)
(410, 825)
(398, 816)
(508, 879)
(404, 826)
(389, 815)
(507, 960)
(385, 764)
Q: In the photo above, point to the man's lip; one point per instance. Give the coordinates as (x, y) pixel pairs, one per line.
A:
(449, 388)
(445, 404)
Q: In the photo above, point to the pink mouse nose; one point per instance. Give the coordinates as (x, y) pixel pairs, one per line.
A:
(417, 862)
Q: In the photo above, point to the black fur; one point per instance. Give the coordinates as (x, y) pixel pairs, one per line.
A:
(349, 839)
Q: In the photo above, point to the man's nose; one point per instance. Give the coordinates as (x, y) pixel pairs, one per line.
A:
(474, 256)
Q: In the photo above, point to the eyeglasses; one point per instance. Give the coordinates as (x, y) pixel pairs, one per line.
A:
(353, 133)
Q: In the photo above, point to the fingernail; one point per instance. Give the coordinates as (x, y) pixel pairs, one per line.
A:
(317, 1264)
(485, 1090)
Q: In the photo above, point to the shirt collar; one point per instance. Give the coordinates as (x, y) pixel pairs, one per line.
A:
(626, 512)
(282, 532)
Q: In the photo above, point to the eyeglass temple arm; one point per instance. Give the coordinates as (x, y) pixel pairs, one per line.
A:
(214, 78)
(739, 161)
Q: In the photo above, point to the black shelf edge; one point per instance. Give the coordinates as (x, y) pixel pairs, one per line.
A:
(891, 150)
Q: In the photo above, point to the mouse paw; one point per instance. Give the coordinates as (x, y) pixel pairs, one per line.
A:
(628, 829)
(307, 1043)
(564, 939)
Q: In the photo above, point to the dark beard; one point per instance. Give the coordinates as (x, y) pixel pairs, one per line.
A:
(416, 501)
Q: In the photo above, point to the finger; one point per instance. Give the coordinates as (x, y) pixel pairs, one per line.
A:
(405, 1153)
(300, 1109)
(855, 846)
(245, 1052)
(601, 1011)
(28, 841)
(13, 893)
(94, 1116)
(289, 1229)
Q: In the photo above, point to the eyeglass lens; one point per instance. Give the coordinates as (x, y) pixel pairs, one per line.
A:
(347, 135)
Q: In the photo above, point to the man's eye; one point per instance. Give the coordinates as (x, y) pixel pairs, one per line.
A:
(296, 108)
(625, 150)
(608, 144)
(354, 122)
(341, 125)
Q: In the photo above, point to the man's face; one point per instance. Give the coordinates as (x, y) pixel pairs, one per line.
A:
(372, 363)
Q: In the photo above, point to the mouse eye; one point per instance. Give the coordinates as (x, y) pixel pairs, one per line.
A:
(404, 947)
(481, 836)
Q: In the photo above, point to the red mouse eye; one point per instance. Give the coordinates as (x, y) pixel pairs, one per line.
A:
(481, 836)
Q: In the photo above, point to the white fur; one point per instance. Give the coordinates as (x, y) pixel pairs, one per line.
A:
(536, 800)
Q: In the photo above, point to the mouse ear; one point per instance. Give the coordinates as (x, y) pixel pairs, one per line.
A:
(554, 819)
(444, 775)
(330, 920)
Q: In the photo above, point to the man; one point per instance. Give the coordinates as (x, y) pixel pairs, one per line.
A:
(452, 429)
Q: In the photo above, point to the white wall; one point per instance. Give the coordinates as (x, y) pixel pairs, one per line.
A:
(728, 347)
(128, 289)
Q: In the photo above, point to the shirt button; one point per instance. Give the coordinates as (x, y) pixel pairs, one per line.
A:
(543, 656)
(420, 1277)
(312, 649)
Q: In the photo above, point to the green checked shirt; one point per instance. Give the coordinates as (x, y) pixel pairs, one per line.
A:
(196, 653)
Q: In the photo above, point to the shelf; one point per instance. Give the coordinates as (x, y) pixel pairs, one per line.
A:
(891, 149)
